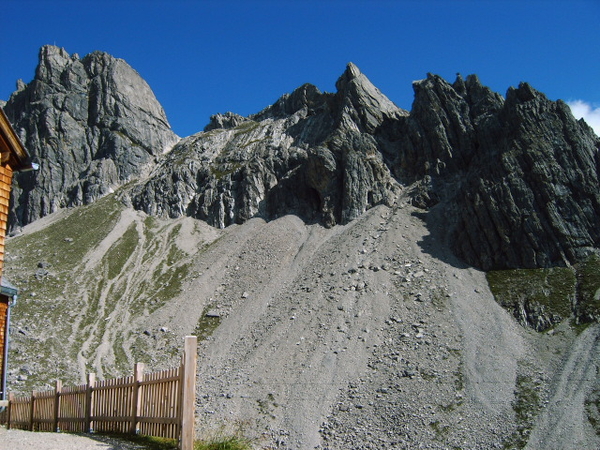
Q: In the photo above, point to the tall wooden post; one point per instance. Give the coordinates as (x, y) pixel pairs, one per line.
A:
(91, 381)
(57, 392)
(138, 376)
(188, 392)
(11, 399)
(31, 411)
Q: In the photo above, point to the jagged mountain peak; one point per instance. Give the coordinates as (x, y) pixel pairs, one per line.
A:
(52, 61)
(310, 153)
(523, 93)
(92, 123)
(355, 84)
(225, 121)
(358, 104)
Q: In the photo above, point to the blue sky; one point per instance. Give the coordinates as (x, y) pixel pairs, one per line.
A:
(205, 57)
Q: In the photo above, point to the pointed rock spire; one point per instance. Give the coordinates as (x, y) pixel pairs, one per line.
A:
(352, 72)
(362, 101)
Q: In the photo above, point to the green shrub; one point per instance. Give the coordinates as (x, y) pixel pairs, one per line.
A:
(158, 443)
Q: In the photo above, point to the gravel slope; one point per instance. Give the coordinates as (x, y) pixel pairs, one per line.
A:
(564, 424)
(368, 335)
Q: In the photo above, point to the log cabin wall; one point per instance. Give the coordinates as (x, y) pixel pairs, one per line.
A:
(6, 174)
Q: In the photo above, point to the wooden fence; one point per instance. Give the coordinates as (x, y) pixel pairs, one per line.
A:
(155, 404)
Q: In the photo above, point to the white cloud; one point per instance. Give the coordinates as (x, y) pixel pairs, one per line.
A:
(589, 113)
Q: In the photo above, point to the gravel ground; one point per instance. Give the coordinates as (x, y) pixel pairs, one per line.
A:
(27, 440)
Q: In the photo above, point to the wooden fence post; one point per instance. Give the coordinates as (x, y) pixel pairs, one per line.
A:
(57, 392)
(91, 381)
(188, 392)
(31, 410)
(11, 399)
(138, 376)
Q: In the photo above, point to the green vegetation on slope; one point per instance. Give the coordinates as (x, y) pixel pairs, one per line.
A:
(65, 242)
(539, 298)
(85, 281)
(592, 409)
(118, 254)
(588, 274)
(221, 443)
(228, 443)
(526, 406)
(43, 265)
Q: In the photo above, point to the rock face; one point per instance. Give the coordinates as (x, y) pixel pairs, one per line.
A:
(311, 153)
(510, 182)
(514, 181)
(93, 124)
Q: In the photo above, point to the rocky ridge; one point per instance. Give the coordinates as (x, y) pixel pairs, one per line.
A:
(514, 180)
(310, 153)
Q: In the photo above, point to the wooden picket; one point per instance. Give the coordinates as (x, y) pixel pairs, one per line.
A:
(19, 411)
(71, 414)
(42, 415)
(160, 408)
(152, 404)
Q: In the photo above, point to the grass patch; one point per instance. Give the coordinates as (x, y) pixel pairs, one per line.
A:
(538, 298)
(158, 443)
(592, 410)
(206, 326)
(526, 406)
(67, 241)
(62, 245)
(579, 327)
(249, 143)
(459, 386)
(227, 443)
(246, 127)
(221, 170)
(149, 442)
(117, 255)
(588, 275)
(440, 430)
(224, 437)
(168, 284)
(527, 398)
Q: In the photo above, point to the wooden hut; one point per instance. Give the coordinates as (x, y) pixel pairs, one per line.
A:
(14, 158)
